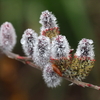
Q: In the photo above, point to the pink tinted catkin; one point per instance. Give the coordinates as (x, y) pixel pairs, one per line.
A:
(7, 36)
(41, 55)
(83, 60)
(49, 24)
(50, 77)
(28, 41)
(60, 56)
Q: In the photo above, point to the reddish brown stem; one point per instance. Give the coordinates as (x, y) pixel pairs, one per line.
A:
(25, 60)
(28, 60)
(83, 84)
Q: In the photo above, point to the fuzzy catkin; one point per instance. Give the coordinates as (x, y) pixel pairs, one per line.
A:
(85, 48)
(41, 55)
(28, 41)
(7, 36)
(60, 47)
(48, 20)
(50, 77)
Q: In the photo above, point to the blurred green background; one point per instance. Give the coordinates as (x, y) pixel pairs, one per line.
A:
(77, 19)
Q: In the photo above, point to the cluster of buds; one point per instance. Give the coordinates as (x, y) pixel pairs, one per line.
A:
(51, 51)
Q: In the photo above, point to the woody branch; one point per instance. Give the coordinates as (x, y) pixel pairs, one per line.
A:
(28, 61)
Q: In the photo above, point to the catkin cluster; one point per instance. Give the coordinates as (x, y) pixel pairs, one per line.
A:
(51, 51)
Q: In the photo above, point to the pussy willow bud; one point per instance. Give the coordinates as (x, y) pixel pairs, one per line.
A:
(28, 41)
(85, 49)
(41, 55)
(60, 47)
(49, 27)
(83, 60)
(60, 56)
(50, 77)
(7, 36)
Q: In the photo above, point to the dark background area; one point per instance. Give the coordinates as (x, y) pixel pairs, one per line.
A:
(77, 19)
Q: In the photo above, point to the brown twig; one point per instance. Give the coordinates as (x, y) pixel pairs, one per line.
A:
(25, 60)
(28, 60)
(83, 84)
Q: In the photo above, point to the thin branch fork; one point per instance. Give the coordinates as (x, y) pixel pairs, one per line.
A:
(28, 61)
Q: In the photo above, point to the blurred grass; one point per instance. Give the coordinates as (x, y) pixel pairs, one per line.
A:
(77, 19)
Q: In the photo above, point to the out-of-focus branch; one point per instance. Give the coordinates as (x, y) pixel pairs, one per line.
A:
(23, 59)
(28, 60)
(83, 84)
